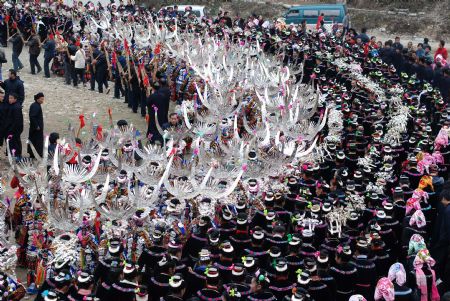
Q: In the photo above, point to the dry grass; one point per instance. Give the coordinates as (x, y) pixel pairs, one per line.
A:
(434, 23)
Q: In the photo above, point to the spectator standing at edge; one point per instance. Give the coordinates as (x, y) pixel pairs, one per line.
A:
(36, 132)
(363, 36)
(440, 241)
(13, 85)
(397, 44)
(445, 85)
(68, 65)
(426, 43)
(14, 125)
(441, 50)
(320, 19)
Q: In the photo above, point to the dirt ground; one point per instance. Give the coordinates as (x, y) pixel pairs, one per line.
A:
(64, 103)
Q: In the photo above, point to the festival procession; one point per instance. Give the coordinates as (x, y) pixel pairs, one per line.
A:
(282, 160)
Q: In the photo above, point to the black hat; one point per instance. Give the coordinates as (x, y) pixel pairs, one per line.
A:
(258, 233)
(274, 252)
(238, 269)
(157, 234)
(51, 296)
(241, 218)
(212, 272)
(269, 197)
(84, 277)
(214, 235)
(174, 244)
(300, 295)
(227, 247)
(86, 159)
(294, 239)
(176, 281)
(241, 204)
(63, 277)
(248, 261)
(271, 214)
(281, 265)
(114, 246)
(303, 278)
(310, 265)
(226, 213)
(361, 243)
(129, 268)
(173, 205)
(323, 256)
(204, 221)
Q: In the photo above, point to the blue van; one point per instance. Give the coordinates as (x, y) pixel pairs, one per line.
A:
(333, 13)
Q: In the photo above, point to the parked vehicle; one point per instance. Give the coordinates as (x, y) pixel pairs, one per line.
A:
(333, 13)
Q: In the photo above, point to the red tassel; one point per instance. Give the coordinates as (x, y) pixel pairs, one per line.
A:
(146, 81)
(97, 225)
(74, 159)
(82, 123)
(15, 182)
(99, 132)
(125, 45)
(157, 49)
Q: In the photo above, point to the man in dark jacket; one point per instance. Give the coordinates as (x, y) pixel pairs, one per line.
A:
(49, 53)
(35, 50)
(69, 65)
(363, 36)
(158, 101)
(440, 242)
(3, 32)
(445, 85)
(387, 53)
(3, 111)
(14, 125)
(100, 68)
(125, 289)
(17, 46)
(13, 85)
(36, 133)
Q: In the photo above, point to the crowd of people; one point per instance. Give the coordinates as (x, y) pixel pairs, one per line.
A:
(276, 243)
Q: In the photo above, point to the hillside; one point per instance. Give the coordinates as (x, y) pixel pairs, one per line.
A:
(413, 19)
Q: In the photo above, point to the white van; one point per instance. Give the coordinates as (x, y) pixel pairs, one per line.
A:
(198, 10)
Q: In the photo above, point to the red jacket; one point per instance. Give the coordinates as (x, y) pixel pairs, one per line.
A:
(442, 51)
(319, 20)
